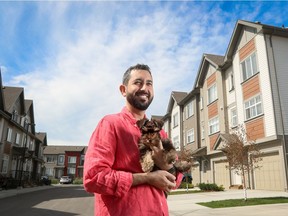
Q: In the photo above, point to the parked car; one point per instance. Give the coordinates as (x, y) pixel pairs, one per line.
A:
(66, 180)
(45, 180)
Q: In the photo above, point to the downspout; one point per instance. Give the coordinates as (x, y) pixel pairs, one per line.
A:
(281, 112)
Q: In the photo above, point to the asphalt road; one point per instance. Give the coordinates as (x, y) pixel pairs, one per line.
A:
(61, 200)
(67, 200)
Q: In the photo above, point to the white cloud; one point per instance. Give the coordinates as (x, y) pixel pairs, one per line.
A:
(89, 47)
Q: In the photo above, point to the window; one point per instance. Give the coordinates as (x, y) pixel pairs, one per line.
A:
(50, 158)
(231, 81)
(234, 120)
(49, 171)
(190, 136)
(17, 139)
(82, 160)
(253, 107)
(175, 120)
(213, 125)
(249, 67)
(15, 116)
(189, 110)
(202, 132)
(5, 162)
(9, 135)
(212, 93)
(176, 143)
(201, 103)
(71, 170)
(61, 159)
(72, 160)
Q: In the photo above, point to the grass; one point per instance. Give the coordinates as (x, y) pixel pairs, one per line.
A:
(176, 192)
(242, 202)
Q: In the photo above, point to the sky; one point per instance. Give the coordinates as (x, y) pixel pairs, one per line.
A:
(69, 56)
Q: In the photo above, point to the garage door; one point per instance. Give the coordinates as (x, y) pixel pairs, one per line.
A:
(196, 174)
(270, 176)
(221, 174)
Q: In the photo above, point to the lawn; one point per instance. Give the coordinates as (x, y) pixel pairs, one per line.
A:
(242, 202)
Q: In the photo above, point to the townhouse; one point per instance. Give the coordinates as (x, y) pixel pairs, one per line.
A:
(64, 160)
(246, 86)
(21, 158)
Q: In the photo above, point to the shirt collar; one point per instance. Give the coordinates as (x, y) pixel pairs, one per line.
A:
(129, 115)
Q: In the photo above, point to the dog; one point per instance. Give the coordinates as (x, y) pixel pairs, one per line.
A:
(150, 136)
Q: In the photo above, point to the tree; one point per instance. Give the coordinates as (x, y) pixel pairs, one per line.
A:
(242, 154)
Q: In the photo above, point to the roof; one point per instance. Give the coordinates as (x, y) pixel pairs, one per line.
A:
(48, 150)
(11, 94)
(177, 97)
(207, 59)
(216, 59)
(259, 27)
(42, 137)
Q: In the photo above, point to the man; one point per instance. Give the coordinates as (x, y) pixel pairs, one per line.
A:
(112, 170)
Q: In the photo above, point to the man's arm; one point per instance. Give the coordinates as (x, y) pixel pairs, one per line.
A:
(159, 179)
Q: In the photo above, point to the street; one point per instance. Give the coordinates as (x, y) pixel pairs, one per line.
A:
(68, 200)
(64, 200)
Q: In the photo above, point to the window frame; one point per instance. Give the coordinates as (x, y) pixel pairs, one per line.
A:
(213, 124)
(189, 110)
(176, 142)
(212, 97)
(256, 104)
(190, 133)
(233, 117)
(73, 158)
(175, 120)
(249, 66)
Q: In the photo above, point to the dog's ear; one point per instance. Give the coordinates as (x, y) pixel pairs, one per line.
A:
(140, 123)
(158, 123)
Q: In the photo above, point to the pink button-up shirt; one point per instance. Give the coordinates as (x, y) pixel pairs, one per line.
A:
(110, 160)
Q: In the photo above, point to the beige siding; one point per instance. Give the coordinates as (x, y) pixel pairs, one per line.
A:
(265, 86)
(280, 46)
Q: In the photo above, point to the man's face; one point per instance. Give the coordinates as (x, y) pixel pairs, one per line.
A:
(139, 90)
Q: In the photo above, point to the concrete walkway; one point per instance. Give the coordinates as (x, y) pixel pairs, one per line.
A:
(185, 204)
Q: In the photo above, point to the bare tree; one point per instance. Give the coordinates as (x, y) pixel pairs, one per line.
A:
(242, 154)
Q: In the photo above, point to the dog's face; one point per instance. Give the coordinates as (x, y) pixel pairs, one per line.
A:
(150, 126)
(150, 132)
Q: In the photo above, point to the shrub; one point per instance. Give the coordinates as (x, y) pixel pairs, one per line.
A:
(184, 185)
(210, 187)
(78, 181)
(54, 181)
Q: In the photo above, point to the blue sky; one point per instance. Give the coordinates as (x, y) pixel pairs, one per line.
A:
(70, 56)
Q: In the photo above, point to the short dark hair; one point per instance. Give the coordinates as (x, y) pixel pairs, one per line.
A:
(127, 74)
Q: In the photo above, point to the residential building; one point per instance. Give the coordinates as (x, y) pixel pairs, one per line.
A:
(20, 145)
(64, 160)
(246, 86)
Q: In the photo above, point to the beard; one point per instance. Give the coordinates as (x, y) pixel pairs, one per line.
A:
(138, 103)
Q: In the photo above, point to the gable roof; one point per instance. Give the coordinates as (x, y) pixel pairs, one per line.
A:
(42, 137)
(11, 95)
(207, 59)
(177, 97)
(259, 28)
(62, 149)
(222, 139)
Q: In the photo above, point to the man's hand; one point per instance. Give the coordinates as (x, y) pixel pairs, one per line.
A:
(162, 180)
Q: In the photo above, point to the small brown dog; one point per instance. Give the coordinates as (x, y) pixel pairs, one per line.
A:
(150, 136)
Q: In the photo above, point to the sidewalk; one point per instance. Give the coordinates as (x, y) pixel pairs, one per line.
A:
(14, 192)
(185, 204)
